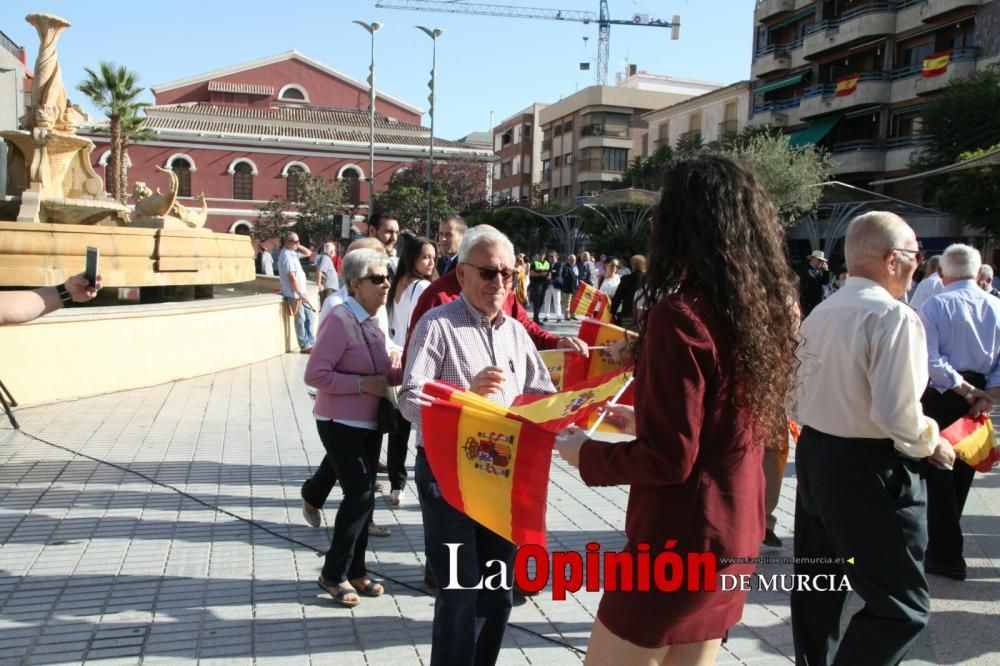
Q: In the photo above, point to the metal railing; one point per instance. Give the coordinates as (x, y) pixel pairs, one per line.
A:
(854, 146)
(957, 55)
(777, 105)
(783, 47)
(836, 22)
(905, 142)
(830, 89)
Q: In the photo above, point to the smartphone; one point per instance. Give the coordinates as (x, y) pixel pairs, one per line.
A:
(93, 259)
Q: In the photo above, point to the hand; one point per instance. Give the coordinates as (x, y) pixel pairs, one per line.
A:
(395, 358)
(621, 417)
(981, 405)
(943, 456)
(576, 344)
(374, 385)
(568, 443)
(489, 380)
(80, 290)
(621, 351)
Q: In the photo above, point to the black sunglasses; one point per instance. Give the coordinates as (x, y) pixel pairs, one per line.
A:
(488, 273)
(918, 255)
(375, 278)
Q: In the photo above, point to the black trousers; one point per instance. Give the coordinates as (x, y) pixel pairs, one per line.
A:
(947, 490)
(536, 293)
(350, 452)
(397, 449)
(858, 498)
(455, 640)
(316, 489)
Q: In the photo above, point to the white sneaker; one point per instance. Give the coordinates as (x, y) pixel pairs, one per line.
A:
(396, 497)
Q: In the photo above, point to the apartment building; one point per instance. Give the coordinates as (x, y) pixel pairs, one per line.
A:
(518, 150)
(589, 137)
(712, 116)
(15, 92)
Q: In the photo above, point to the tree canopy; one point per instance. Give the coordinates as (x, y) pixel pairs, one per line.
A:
(319, 208)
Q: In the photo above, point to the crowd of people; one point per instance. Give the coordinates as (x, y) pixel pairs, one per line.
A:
(871, 369)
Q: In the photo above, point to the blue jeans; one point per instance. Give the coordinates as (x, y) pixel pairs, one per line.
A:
(455, 640)
(305, 319)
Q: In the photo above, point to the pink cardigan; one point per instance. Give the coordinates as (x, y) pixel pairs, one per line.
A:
(339, 357)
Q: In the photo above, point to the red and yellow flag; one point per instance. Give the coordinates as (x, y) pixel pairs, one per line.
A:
(974, 441)
(566, 367)
(846, 85)
(601, 334)
(491, 467)
(572, 405)
(591, 302)
(936, 64)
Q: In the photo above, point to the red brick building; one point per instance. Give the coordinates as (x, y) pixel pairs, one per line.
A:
(242, 133)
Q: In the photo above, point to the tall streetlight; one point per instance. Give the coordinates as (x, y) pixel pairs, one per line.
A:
(372, 28)
(433, 34)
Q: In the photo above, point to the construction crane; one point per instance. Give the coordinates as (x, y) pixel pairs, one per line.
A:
(603, 20)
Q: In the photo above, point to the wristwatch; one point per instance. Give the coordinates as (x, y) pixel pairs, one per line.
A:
(968, 390)
(64, 294)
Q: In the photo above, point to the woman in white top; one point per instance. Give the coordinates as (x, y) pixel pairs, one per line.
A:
(611, 278)
(416, 269)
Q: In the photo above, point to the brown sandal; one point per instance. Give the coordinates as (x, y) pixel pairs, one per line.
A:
(339, 594)
(370, 589)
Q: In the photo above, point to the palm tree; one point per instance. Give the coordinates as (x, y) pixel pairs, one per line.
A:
(114, 90)
(133, 128)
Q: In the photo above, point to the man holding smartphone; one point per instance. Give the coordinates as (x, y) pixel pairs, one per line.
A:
(18, 307)
(293, 288)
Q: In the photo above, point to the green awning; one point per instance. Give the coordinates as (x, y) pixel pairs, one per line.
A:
(812, 134)
(906, 110)
(780, 83)
(793, 19)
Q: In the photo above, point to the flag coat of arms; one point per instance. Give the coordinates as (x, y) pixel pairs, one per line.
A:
(974, 441)
(936, 64)
(846, 85)
(590, 302)
(602, 334)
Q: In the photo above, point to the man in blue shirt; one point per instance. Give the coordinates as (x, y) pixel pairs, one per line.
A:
(962, 323)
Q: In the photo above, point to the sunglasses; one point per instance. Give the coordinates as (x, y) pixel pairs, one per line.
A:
(918, 255)
(375, 278)
(488, 273)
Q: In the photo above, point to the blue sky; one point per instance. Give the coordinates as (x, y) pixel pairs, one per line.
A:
(484, 63)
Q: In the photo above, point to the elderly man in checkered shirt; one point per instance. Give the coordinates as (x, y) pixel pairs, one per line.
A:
(471, 344)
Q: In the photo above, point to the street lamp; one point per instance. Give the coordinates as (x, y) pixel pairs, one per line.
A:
(372, 28)
(433, 34)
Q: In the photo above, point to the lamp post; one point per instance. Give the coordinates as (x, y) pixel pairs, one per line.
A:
(372, 28)
(433, 34)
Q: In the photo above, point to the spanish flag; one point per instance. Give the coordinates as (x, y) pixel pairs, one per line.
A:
(936, 63)
(491, 467)
(602, 334)
(573, 405)
(846, 85)
(974, 441)
(566, 366)
(590, 302)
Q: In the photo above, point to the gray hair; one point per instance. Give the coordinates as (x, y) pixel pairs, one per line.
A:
(985, 272)
(477, 236)
(328, 248)
(961, 262)
(870, 236)
(357, 263)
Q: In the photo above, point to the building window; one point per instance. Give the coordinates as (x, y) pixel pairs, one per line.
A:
(568, 127)
(568, 159)
(557, 130)
(694, 123)
(182, 169)
(242, 181)
(663, 134)
(557, 161)
(293, 93)
(526, 135)
(546, 167)
(292, 182)
(615, 159)
(351, 178)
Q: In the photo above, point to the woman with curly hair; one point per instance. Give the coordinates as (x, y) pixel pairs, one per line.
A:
(714, 362)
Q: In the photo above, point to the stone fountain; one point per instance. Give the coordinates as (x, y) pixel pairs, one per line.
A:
(61, 205)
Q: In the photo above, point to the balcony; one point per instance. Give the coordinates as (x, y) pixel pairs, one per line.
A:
(909, 14)
(857, 25)
(777, 57)
(864, 156)
(934, 9)
(962, 65)
(779, 114)
(873, 88)
(768, 8)
(898, 152)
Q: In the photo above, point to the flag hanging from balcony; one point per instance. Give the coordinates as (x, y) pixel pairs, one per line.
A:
(974, 441)
(589, 302)
(936, 64)
(846, 85)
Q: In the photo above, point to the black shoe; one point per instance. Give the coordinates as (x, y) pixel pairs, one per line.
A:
(955, 572)
(771, 539)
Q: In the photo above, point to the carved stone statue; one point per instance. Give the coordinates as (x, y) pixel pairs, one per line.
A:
(161, 210)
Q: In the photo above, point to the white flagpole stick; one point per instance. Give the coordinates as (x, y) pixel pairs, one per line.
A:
(613, 401)
(552, 351)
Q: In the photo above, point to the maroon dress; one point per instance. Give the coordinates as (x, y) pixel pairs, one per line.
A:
(695, 471)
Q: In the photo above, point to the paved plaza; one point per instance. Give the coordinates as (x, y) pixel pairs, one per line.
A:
(165, 526)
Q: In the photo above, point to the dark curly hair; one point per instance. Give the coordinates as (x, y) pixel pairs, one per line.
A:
(716, 234)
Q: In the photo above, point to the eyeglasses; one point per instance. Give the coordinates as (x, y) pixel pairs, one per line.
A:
(375, 278)
(489, 273)
(918, 255)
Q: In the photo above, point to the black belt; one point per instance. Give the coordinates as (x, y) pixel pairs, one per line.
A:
(881, 442)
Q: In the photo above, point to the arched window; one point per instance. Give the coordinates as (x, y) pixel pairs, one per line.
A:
(352, 185)
(243, 181)
(182, 168)
(292, 182)
(293, 92)
(241, 227)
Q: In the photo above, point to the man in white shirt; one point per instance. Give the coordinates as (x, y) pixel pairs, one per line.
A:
(266, 259)
(293, 288)
(930, 285)
(862, 370)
